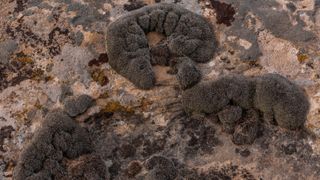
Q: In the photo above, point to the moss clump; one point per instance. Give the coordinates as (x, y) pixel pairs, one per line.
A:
(59, 138)
(281, 101)
(213, 96)
(188, 74)
(188, 34)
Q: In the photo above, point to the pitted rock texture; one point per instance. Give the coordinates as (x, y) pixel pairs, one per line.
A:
(188, 34)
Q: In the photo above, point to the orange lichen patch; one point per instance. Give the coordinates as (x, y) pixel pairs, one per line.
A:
(100, 77)
(115, 106)
(24, 59)
(302, 57)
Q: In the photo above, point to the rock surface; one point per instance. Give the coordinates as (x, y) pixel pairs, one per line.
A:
(47, 44)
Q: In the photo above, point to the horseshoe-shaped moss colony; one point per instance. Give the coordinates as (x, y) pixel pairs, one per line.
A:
(188, 35)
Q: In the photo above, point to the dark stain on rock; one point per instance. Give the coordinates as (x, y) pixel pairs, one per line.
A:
(54, 48)
(133, 4)
(103, 58)
(133, 169)
(152, 147)
(57, 30)
(202, 136)
(127, 150)
(23, 69)
(25, 35)
(114, 169)
(289, 149)
(225, 12)
(21, 5)
(10, 31)
(5, 132)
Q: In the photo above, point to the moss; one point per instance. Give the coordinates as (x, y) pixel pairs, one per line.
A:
(59, 138)
(188, 34)
(213, 96)
(188, 74)
(281, 100)
(276, 97)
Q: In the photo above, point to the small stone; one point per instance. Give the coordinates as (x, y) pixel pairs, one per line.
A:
(77, 105)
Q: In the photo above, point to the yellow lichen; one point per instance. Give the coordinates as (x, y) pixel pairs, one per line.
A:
(100, 77)
(115, 106)
(302, 57)
(24, 59)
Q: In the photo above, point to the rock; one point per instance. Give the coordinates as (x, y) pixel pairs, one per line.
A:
(77, 105)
